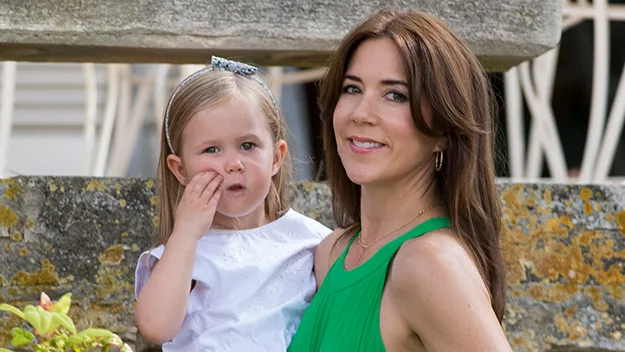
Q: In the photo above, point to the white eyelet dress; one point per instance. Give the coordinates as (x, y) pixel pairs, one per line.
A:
(252, 286)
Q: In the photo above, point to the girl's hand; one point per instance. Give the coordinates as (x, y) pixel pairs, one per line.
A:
(196, 209)
(171, 279)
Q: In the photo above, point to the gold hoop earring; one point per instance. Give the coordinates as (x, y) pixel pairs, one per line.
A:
(438, 163)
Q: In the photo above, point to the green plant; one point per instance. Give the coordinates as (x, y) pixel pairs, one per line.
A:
(54, 331)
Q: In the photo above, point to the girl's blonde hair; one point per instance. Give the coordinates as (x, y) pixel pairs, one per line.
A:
(206, 90)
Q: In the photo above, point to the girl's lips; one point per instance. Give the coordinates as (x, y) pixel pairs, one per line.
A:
(235, 187)
(236, 190)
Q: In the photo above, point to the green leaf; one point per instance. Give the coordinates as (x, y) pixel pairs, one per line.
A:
(64, 320)
(40, 319)
(64, 303)
(4, 350)
(75, 341)
(60, 340)
(21, 337)
(9, 308)
(40, 348)
(113, 341)
(95, 333)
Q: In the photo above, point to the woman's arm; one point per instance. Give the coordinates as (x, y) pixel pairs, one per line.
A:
(443, 297)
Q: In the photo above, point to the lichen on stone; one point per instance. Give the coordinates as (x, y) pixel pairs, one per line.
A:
(8, 218)
(46, 275)
(112, 255)
(17, 236)
(12, 190)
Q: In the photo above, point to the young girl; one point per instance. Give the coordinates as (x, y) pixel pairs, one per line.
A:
(233, 269)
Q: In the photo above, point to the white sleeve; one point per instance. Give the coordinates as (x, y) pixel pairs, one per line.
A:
(319, 229)
(144, 267)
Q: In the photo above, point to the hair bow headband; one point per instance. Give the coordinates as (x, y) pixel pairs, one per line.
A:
(217, 64)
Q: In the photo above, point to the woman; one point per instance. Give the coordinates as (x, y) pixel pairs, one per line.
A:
(415, 264)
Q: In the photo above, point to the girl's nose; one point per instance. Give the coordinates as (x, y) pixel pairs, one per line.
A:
(234, 166)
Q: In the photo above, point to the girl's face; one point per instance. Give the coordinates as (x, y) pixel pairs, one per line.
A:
(376, 136)
(233, 139)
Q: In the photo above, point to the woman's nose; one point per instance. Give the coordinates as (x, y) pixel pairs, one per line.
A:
(365, 111)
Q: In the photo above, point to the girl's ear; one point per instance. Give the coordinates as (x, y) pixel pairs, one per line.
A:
(174, 163)
(279, 152)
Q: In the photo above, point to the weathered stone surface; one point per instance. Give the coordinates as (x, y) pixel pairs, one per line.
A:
(296, 32)
(564, 248)
(84, 236)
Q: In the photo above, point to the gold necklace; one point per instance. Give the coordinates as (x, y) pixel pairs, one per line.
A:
(397, 229)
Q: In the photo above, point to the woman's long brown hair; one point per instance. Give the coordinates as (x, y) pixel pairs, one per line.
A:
(441, 69)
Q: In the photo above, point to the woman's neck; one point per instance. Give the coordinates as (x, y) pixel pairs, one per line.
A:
(387, 207)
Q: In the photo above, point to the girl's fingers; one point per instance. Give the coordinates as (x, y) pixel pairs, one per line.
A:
(211, 187)
(201, 180)
(191, 184)
(212, 202)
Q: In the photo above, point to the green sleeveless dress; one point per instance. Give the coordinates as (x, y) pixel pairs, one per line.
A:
(344, 315)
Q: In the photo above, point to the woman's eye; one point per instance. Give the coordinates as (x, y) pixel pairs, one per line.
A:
(351, 89)
(396, 97)
(247, 146)
(211, 150)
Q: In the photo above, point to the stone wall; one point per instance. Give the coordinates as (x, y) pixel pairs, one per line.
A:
(564, 247)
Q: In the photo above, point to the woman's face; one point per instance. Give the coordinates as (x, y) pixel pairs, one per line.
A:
(376, 137)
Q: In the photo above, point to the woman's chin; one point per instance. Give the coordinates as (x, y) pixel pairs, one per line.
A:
(361, 178)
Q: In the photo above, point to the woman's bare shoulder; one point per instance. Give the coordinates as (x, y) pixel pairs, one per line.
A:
(438, 254)
(441, 294)
(328, 251)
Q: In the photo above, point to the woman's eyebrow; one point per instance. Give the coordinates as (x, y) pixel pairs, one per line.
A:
(353, 78)
(394, 82)
(386, 82)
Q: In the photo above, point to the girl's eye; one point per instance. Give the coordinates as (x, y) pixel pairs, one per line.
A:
(396, 97)
(248, 146)
(351, 89)
(211, 150)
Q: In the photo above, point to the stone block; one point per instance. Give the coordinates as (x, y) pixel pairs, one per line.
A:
(563, 245)
(295, 32)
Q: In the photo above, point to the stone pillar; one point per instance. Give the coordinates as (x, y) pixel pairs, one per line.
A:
(501, 33)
